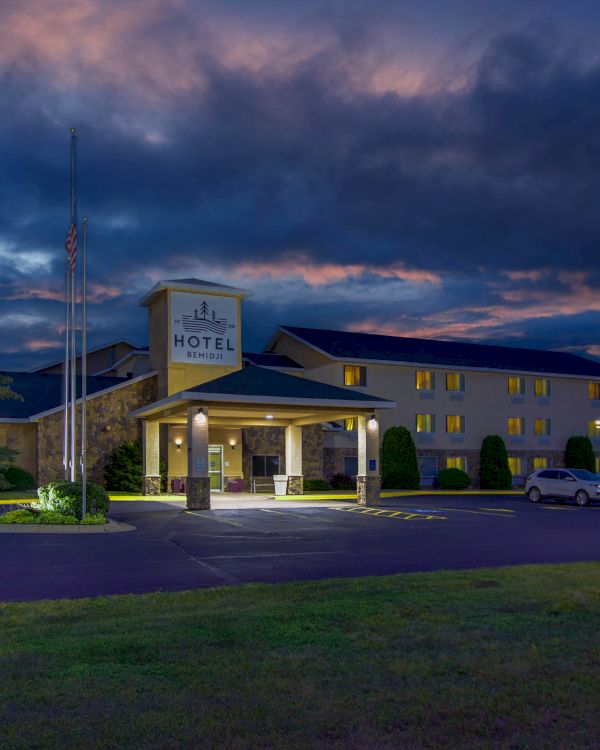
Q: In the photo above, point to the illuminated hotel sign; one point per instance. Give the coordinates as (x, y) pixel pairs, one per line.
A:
(204, 329)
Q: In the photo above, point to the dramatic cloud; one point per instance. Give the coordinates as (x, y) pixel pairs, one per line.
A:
(354, 165)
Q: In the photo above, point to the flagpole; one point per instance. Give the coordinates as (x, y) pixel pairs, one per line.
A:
(66, 376)
(73, 317)
(84, 370)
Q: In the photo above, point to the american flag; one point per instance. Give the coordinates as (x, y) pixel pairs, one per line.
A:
(71, 246)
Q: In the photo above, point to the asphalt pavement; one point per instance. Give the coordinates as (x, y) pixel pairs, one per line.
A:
(174, 549)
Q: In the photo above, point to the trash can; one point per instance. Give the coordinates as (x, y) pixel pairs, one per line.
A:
(280, 482)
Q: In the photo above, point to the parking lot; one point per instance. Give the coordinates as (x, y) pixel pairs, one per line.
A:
(174, 549)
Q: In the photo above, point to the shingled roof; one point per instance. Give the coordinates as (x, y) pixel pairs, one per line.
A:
(42, 391)
(259, 381)
(367, 346)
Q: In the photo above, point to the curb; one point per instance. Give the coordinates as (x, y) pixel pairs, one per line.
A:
(112, 527)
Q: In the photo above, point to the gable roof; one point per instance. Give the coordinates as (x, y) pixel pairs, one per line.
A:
(263, 382)
(259, 385)
(196, 285)
(42, 392)
(278, 361)
(346, 345)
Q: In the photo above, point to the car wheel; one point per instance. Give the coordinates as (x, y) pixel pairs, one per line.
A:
(534, 495)
(582, 498)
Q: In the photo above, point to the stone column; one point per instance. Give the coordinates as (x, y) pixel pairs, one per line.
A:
(293, 459)
(198, 480)
(151, 455)
(368, 479)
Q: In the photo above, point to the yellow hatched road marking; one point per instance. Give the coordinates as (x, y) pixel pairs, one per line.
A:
(400, 515)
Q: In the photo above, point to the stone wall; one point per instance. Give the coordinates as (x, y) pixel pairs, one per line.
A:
(333, 460)
(270, 441)
(109, 425)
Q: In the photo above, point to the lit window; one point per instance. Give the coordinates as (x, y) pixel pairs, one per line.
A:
(542, 387)
(428, 466)
(425, 380)
(540, 462)
(355, 375)
(516, 426)
(455, 423)
(350, 424)
(516, 464)
(456, 462)
(516, 386)
(455, 381)
(594, 391)
(425, 423)
(542, 426)
(597, 465)
(594, 428)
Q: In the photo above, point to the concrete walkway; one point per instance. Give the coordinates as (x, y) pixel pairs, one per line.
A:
(245, 500)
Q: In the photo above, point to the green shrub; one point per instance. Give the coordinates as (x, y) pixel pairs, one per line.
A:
(342, 482)
(453, 479)
(399, 468)
(494, 473)
(93, 519)
(65, 497)
(18, 516)
(316, 485)
(125, 466)
(52, 517)
(579, 453)
(19, 479)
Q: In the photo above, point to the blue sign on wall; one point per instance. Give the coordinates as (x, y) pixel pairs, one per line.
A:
(372, 464)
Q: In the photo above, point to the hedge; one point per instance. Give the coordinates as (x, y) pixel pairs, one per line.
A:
(453, 479)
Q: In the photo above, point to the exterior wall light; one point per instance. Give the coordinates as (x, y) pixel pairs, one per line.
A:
(372, 423)
(178, 441)
(201, 415)
(232, 443)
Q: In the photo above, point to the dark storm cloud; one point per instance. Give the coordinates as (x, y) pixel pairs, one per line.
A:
(233, 164)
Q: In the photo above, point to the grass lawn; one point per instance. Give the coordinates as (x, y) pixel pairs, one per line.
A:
(506, 658)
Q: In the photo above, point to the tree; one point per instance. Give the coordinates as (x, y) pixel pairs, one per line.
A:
(124, 468)
(494, 473)
(7, 455)
(399, 469)
(579, 453)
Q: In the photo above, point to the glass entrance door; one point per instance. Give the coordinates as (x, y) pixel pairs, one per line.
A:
(215, 467)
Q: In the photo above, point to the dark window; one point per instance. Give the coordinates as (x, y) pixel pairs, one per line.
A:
(350, 466)
(265, 466)
(548, 474)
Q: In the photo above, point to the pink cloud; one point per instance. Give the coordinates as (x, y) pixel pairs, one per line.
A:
(97, 293)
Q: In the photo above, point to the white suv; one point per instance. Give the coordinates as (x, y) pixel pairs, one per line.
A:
(579, 484)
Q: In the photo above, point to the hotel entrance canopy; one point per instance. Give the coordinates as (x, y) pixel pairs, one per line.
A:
(256, 396)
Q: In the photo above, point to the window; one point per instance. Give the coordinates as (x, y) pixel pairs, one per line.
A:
(597, 465)
(350, 424)
(594, 428)
(540, 462)
(542, 387)
(542, 426)
(355, 375)
(516, 426)
(455, 381)
(425, 380)
(594, 391)
(455, 423)
(516, 464)
(265, 466)
(425, 423)
(350, 466)
(428, 466)
(456, 462)
(516, 386)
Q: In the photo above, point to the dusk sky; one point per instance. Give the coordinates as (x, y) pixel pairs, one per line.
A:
(424, 168)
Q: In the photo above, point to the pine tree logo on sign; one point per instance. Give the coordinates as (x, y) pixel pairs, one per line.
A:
(204, 329)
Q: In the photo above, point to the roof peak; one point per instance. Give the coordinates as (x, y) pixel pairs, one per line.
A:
(191, 285)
